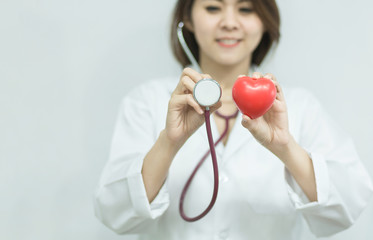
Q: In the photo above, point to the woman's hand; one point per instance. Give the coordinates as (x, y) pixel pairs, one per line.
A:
(271, 129)
(185, 115)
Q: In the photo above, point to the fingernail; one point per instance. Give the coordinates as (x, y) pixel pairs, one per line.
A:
(244, 120)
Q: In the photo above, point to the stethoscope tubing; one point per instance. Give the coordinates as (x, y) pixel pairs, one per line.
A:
(185, 47)
(215, 171)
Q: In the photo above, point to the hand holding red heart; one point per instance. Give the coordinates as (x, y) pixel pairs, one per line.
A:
(270, 129)
(254, 96)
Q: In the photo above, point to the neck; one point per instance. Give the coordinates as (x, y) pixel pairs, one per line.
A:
(226, 75)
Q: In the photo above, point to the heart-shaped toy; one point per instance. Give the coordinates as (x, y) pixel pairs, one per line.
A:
(254, 96)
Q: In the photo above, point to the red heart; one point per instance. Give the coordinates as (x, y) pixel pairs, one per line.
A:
(254, 96)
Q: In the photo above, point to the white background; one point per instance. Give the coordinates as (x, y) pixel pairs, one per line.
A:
(65, 65)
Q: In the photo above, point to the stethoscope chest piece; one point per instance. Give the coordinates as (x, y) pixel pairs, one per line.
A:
(207, 92)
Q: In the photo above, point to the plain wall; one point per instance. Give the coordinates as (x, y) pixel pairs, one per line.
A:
(65, 65)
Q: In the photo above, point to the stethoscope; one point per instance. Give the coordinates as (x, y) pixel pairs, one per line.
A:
(206, 92)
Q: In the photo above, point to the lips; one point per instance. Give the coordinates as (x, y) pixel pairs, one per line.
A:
(228, 42)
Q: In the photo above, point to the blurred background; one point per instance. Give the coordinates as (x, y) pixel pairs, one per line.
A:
(65, 66)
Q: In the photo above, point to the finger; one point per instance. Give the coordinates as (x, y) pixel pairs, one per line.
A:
(187, 99)
(192, 102)
(205, 76)
(257, 75)
(255, 126)
(270, 76)
(279, 94)
(186, 85)
(248, 123)
(194, 75)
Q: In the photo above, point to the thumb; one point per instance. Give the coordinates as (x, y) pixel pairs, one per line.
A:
(250, 124)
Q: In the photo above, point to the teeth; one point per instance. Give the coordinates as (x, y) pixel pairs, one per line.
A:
(228, 41)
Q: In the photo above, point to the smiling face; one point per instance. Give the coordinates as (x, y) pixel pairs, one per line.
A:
(227, 31)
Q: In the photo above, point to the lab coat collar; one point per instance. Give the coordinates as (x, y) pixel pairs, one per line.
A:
(237, 137)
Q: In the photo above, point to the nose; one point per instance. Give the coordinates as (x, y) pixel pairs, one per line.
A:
(229, 20)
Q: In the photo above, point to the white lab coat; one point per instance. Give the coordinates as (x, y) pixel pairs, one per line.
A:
(257, 199)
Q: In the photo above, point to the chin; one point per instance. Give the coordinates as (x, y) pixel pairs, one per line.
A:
(230, 62)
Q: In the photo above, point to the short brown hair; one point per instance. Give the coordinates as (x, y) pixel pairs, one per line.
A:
(267, 11)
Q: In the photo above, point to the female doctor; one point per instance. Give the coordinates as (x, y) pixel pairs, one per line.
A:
(291, 164)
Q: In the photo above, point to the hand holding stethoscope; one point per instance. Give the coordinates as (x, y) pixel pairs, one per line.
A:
(184, 114)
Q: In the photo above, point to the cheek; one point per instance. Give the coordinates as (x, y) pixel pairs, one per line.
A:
(203, 26)
(255, 27)
(202, 33)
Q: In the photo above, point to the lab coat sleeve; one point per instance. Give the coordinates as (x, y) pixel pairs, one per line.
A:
(120, 200)
(343, 186)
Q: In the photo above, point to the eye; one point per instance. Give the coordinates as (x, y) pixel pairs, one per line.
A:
(212, 8)
(246, 10)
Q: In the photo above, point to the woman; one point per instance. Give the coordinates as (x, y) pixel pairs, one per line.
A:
(292, 163)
